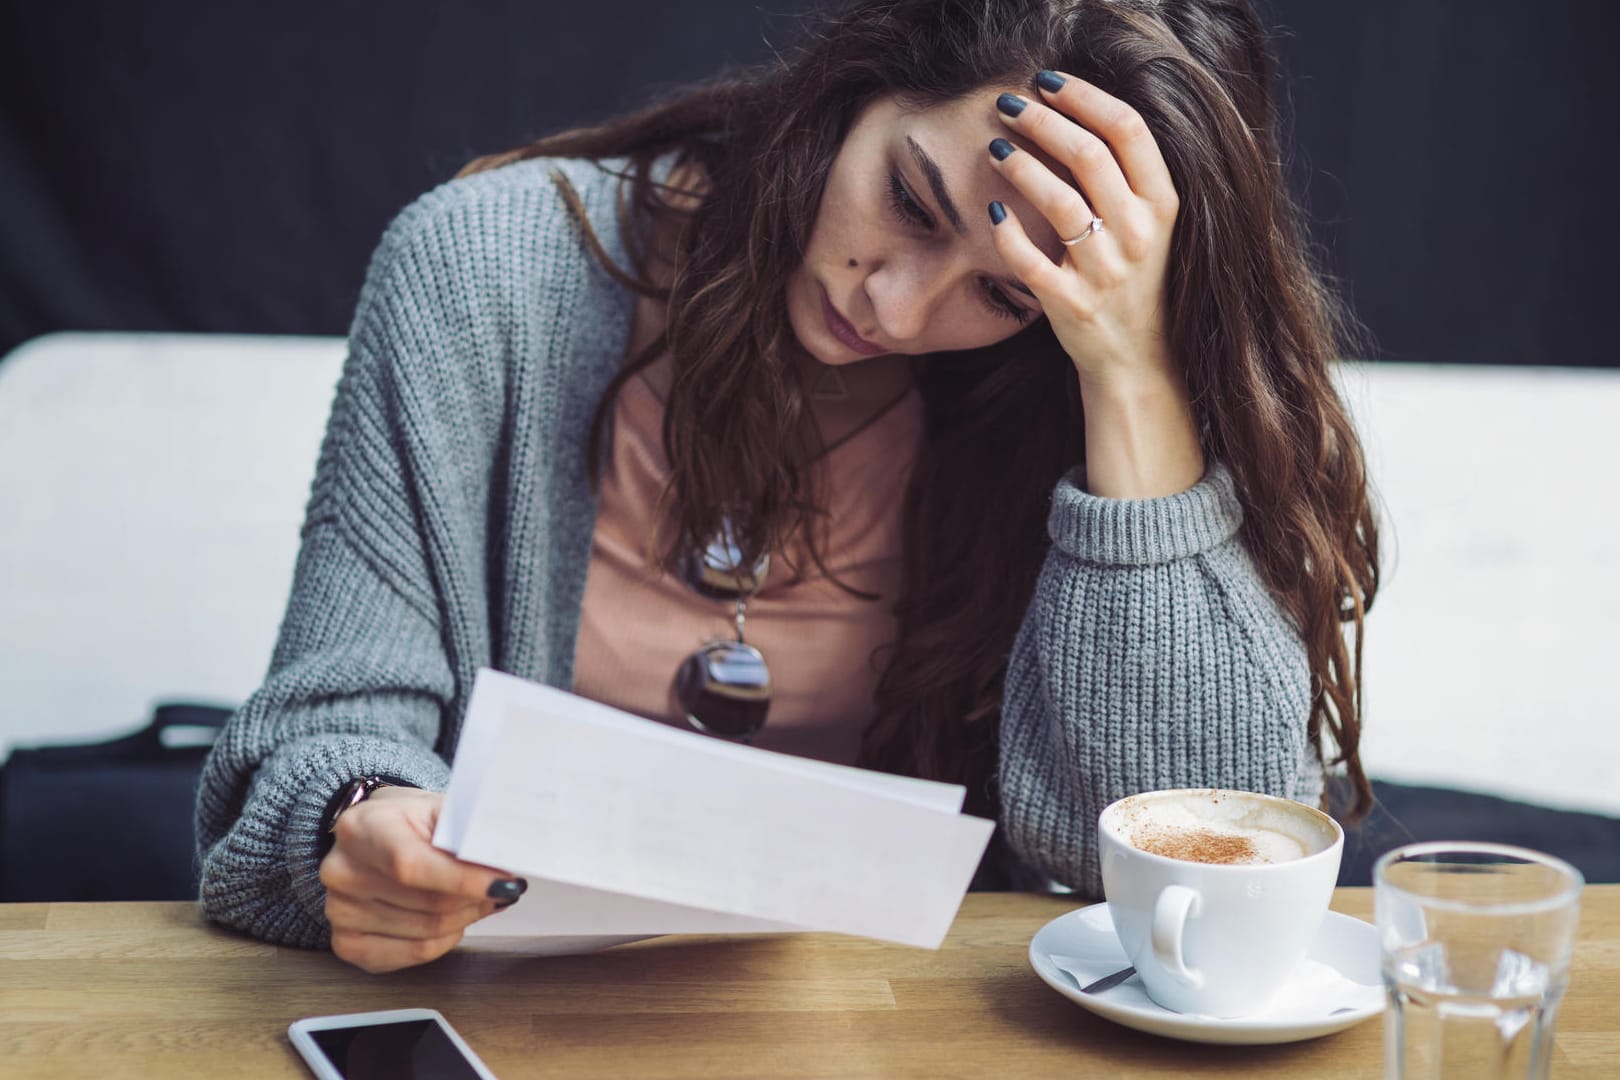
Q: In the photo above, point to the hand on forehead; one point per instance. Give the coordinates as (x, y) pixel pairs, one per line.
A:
(954, 136)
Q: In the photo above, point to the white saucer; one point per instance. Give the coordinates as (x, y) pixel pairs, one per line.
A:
(1345, 949)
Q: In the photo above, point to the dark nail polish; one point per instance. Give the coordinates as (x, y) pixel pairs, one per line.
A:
(1011, 104)
(1001, 149)
(504, 904)
(508, 889)
(1050, 81)
(998, 213)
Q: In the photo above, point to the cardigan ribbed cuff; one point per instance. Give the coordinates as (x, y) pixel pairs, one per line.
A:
(341, 761)
(1142, 532)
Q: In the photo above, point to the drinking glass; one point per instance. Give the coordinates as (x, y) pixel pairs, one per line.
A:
(1476, 943)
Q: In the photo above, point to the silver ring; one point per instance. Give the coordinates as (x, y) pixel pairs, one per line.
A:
(1095, 227)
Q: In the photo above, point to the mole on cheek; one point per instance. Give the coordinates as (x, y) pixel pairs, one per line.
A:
(853, 263)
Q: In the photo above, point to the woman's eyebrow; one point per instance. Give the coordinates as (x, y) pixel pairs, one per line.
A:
(936, 183)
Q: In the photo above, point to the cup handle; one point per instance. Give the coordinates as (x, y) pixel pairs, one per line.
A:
(1170, 913)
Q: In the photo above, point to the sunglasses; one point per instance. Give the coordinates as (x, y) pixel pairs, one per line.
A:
(724, 687)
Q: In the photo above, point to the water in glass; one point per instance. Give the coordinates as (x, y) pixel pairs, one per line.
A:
(1477, 940)
(1470, 1010)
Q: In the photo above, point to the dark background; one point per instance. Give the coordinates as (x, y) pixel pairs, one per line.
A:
(175, 165)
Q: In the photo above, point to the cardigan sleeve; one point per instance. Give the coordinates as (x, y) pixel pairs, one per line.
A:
(448, 527)
(361, 681)
(1151, 656)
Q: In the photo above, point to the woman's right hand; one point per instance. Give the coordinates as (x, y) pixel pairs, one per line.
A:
(393, 899)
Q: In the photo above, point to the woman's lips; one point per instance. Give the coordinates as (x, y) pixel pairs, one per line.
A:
(843, 331)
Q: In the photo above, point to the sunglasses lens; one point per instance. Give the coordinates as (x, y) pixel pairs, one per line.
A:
(717, 572)
(725, 689)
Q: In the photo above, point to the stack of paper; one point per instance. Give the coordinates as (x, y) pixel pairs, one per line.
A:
(626, 827)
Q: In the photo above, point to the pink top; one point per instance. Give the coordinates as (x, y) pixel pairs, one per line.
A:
(638, 624)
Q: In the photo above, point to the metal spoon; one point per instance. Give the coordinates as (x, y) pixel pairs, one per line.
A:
(1108, 982)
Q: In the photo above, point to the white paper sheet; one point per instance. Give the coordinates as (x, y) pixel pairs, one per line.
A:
(625, 826)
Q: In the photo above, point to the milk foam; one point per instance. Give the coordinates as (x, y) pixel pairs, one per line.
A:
(1245, 832)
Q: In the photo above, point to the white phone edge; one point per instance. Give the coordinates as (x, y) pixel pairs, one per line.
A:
(299, 1031)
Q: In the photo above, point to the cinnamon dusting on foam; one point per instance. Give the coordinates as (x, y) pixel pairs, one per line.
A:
(1197, 845)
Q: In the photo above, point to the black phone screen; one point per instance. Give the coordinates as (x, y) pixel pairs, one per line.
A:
(407, 1050)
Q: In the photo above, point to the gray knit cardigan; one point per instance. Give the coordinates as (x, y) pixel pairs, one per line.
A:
(449, 528)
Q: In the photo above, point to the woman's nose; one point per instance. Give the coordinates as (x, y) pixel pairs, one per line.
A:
(904, 294)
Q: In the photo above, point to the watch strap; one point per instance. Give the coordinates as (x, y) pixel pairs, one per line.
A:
(356, 791)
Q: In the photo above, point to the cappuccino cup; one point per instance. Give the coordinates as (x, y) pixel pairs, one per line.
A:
(1216, 895)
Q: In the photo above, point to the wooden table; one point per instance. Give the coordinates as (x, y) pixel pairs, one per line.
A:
(138, 990)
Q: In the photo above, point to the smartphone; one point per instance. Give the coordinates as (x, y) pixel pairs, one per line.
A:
(397, 1044)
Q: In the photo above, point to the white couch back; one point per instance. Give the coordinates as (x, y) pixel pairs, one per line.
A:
(153, 487)
(151, 492)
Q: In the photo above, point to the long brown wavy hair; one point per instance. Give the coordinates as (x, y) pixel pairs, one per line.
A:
(1252, 318)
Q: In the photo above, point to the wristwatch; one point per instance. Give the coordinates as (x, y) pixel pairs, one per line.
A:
(351, 794)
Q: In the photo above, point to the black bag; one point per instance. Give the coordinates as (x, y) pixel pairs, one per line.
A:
(110, 820)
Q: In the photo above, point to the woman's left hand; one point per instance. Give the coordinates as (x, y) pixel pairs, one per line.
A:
(1106, 296)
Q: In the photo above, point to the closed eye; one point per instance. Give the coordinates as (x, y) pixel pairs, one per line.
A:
(1002, 304)
(910, 212)
(907, 209)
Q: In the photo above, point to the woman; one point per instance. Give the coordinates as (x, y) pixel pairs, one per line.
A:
(970, 357)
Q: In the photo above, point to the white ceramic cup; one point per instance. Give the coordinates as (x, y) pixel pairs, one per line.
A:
(1210, 938)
